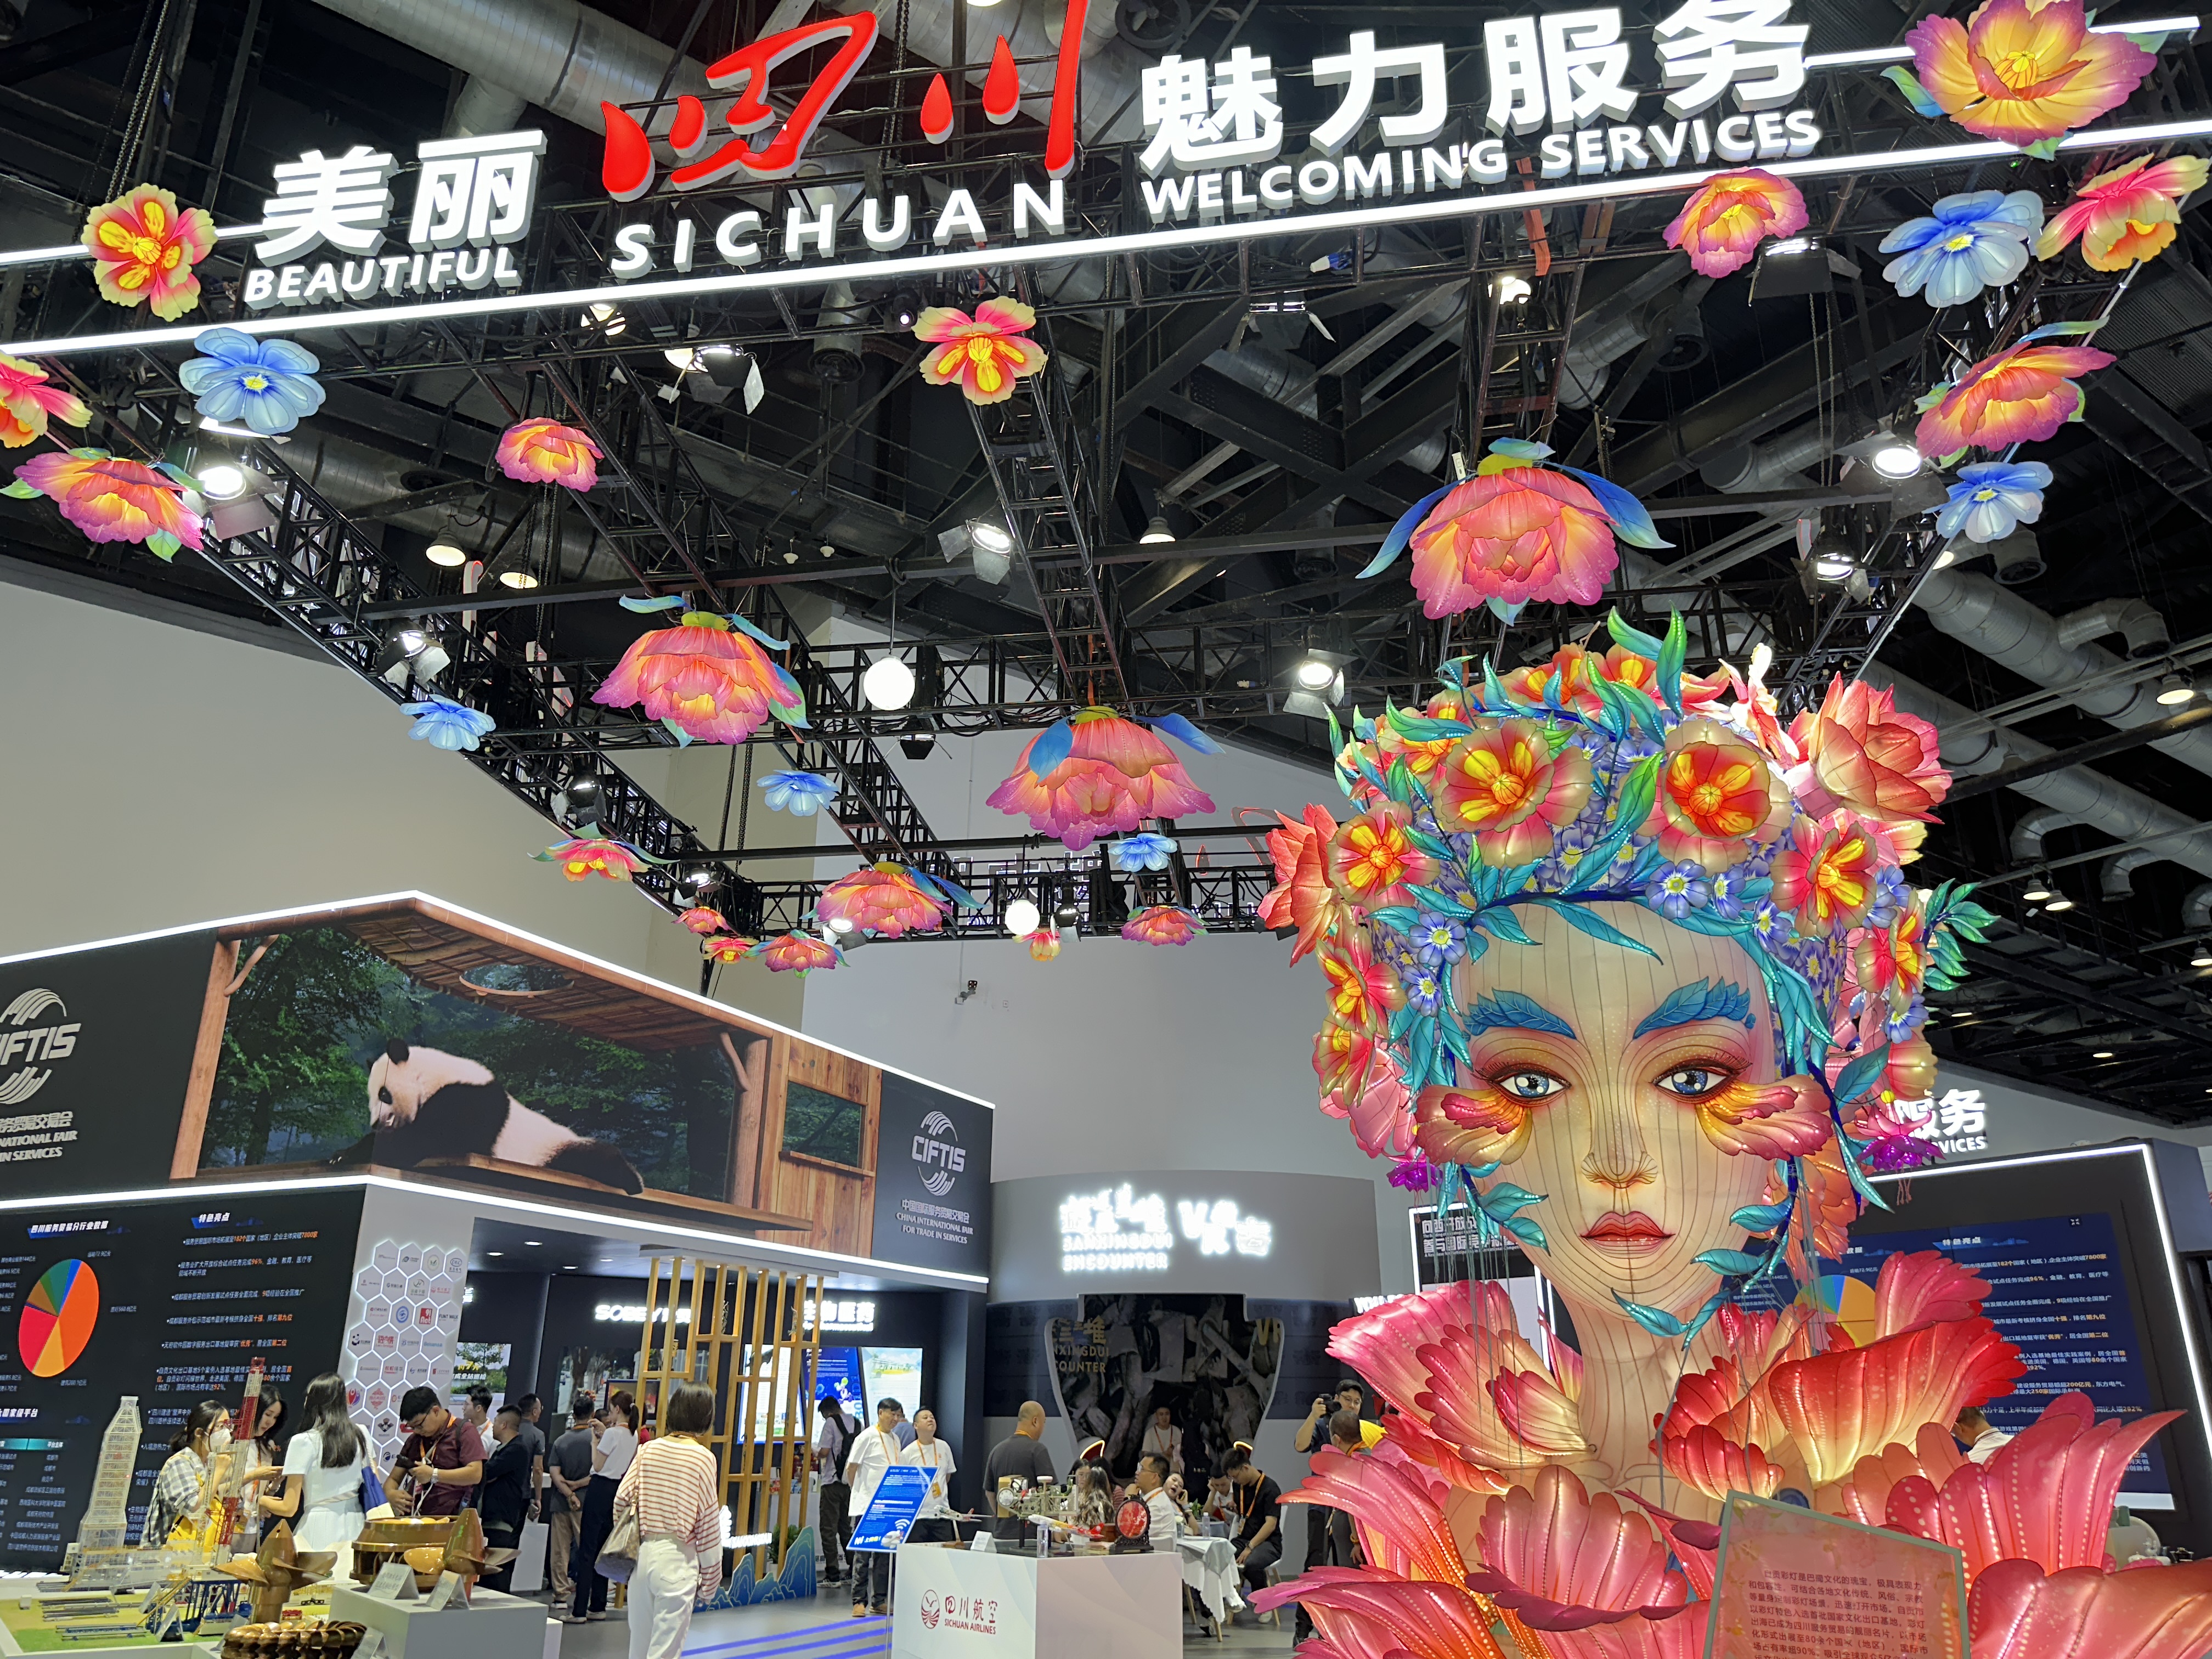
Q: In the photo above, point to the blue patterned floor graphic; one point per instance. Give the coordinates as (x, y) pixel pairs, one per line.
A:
(834, 1638)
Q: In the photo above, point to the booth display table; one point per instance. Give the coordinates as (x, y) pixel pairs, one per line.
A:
(1209, 1567)
(493, 1627)
(957, 1604)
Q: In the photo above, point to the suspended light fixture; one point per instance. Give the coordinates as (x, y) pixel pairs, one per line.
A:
(1157, 531)
(889, 683)
(2038, 889)
(2173, 691)
(223, 480)
(517, 579)
(1022, 918)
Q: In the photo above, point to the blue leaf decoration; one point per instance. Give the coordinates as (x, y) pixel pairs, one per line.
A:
(1502, 1199)
(1629, 637)
(1504, 924)
(1705, 1000)
(1915, 94)
(768, 640)
(1399, 918)
(1714, 1303)
(1631, 520)
(1401, 533)
(1508, 613)
(1860, 1074)
(1668, 667)
(1527, 1231)
(1583, 919)
(1185, 733)
(665, 602)
(1760, 1217)
(1053, 745)
(1657, 1320)
(1734, 1264)
(1514, 1011)
(683, 738)
(1520, 449)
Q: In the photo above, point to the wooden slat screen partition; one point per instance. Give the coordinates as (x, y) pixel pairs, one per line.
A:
(753, 1335)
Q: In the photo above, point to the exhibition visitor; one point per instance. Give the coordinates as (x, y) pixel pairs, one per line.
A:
(1152, 1483)
(568, 1470)
(320, 1490)
(672, 1484)
(441, 1459)
(1164, 1437)
(1020, 1457)
(902, 1431)
(532, 1431)
(180, 1490)
(1330, 1538)
(838, 1432)
(504, 1501)
(613, 1449)
(1980, 1437)
(1258, 1498)
(262, 1452)
(872, 1452)
(932, 1522)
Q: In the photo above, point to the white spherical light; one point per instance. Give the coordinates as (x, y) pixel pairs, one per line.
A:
(889, 683)
(1022, 918)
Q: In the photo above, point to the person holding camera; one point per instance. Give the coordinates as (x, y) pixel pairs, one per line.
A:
(1312, 1434)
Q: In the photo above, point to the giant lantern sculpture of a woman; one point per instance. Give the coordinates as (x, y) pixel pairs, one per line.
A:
(1636, 969)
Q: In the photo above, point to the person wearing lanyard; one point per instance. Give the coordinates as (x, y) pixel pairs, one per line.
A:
(1164, 1438)
(610, 1460)
(872, 1454)
(1258, 1499)
(933, 1523)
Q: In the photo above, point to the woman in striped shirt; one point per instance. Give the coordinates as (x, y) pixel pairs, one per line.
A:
(672, 1484)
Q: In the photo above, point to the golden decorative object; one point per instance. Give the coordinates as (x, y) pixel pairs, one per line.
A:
(382, 1542)
(277, 1568)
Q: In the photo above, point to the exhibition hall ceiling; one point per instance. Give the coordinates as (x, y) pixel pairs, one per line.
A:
(1291, 300)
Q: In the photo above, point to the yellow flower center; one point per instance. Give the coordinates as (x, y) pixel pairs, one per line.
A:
(1963, 240)
(145, 250)
(256, 383)
(1705, 798)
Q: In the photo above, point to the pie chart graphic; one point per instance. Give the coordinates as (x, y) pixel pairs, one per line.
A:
(58, 1318)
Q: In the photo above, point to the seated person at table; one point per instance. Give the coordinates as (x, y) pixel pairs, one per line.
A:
(1259, 1522)
(1093, 1503)
(1152, 1485)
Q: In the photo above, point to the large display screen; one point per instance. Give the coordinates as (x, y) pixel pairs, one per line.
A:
(2079, 1251)
(2058, 1291)
(171, 1301)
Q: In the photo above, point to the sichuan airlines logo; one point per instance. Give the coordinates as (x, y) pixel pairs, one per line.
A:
(34, 1031)
(931, 1609)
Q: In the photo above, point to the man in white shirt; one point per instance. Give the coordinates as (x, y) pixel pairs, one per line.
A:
(875, 1451)
(1167, 1516)
(1982, 1439)
(933, 1522)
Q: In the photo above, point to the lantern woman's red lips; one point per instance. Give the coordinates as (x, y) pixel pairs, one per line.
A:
(1631, 1229)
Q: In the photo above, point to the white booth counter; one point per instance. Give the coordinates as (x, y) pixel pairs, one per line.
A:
(957, 1604)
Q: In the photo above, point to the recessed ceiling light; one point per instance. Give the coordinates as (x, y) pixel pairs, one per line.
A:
(494, 1252)
(533, 1243)
(2102, 1054)
(570, 1268)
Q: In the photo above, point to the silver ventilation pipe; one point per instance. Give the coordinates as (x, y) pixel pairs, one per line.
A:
(484, 107)
(2027, 834)
(2197, 909)
(1632, 315)
(2005, 627)
(2119, 877)
(1282, 378)
(558, 54)
(1777, 463)
(2077, 795)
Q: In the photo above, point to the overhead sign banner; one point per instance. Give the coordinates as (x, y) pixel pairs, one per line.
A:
(1556, 109)
(933, 1178)
(95, 1056)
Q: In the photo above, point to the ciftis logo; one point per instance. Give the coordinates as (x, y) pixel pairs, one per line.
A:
(939, 1154)
(33, 1034)
(931, 1609)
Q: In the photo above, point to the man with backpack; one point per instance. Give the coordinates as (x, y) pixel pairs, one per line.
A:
(835, 1442)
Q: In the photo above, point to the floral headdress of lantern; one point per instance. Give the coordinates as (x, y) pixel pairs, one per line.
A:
(1595, 780)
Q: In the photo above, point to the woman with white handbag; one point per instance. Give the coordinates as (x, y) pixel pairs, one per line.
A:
(671, 1497)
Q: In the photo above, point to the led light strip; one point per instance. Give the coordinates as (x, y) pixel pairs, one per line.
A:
(1101, 247)
(338, 910)
(32, 256)
(1904, 54)
(2181, 1300)
(736, 1243)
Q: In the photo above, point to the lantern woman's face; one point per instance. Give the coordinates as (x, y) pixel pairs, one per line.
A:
(1580, 1035)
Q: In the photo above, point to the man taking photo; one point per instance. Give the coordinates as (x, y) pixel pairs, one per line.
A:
(441, 1459)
